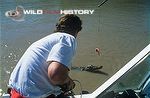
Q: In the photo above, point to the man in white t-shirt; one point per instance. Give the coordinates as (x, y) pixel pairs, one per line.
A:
(42, 71)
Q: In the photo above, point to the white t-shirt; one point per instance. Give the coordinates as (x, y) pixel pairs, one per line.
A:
(30, 76)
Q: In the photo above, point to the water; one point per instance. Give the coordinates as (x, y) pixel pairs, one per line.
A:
(120, 28)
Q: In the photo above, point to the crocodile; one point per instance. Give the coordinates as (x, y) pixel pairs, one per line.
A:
(90, 68)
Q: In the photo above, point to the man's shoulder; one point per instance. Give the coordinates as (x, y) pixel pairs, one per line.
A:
(58, 37)
(63, 34)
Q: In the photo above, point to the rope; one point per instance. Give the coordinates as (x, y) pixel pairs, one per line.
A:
(80, 87)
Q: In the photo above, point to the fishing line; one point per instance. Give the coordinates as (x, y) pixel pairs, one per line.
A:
(80, 87)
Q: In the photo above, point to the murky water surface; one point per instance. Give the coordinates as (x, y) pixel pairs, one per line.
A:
(119, 28)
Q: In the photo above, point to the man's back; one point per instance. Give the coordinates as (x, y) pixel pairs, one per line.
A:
(30, 77)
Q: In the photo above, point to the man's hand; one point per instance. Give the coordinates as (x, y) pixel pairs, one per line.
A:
(68, 86)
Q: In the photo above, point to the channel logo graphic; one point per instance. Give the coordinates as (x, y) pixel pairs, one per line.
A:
(19, 13)
(81, 12)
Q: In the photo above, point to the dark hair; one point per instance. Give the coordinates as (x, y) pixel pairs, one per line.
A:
(69, 23)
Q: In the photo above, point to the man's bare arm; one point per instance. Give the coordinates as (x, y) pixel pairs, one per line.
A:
(58, 73)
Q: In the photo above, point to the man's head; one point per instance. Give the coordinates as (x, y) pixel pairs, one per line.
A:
(70, 24)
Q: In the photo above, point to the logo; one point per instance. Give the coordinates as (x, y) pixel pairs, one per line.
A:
(19, 13)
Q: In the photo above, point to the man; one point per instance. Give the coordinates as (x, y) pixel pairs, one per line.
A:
(42, 72)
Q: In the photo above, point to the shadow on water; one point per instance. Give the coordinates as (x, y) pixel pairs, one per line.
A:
(101, 72)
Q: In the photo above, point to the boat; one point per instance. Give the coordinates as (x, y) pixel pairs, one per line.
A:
(136, 70)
